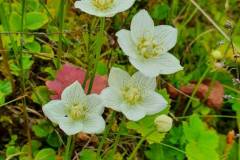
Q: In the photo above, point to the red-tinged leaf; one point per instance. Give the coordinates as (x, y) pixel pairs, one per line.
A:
(69, 74)
(215, 95)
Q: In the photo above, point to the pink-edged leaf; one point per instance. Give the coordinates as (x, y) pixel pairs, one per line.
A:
(69, 74)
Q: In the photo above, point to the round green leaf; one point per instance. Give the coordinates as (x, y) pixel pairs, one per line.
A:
(33, 47)
(35, 20)
(46, 154)
(15, 22)
(40, 95)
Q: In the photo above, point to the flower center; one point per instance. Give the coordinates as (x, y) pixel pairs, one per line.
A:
(149, 48)
(103, 4)
(132, 95)
(78, 111)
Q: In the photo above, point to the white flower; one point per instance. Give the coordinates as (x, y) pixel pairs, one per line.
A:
(104, 8)
(134, 96)
(163, 123)
(76, 112)
(147, 46)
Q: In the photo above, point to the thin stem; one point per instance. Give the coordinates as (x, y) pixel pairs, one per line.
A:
(132, 155)
(25, 113)
(195, 90)
(99, 43)
(105, 133)
(61, 22)
(172, 147)
(118, 135)
(68, 153)
(210, 19)
(212, 116)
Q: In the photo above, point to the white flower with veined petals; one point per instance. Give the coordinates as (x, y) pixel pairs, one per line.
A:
(76, 112)
(147, 46)
(104, 8)
(134, 95)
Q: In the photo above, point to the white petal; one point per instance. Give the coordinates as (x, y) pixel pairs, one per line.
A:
(148, 68)
(71, 127)
(123, 5)
(94, 124)
(73, 94)
(118, 78)
(85, 6)
(144, 82)
(133, 113)
(168, 64)
(111, 98)
(126, 43)
(54, 110)
(154, 103)
(88, 7)
(164, 64)
(95, 104)
(166, 36)
(142, 25)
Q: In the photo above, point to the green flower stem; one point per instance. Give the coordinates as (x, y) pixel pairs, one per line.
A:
(195, 90)
(60, 28)
(98, 47)
(132, 155)
(118, 135)
(174, 148)
(68, 152)
(105, 133)
(25, 113)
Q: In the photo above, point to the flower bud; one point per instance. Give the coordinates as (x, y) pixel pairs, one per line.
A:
(217, 54)
(163, 123)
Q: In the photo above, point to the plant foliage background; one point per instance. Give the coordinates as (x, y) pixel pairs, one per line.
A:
(204, 98)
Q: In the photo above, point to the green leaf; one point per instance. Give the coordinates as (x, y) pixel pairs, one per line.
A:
(33, 4)
(35, 20)
(34, 47)
(145, 126)
(5, 89)
(15, 22)
(35, 148)
(12, 150)
(54, 140)
(88, 154)
(47, 53)
(160, 11)
(155, 152)
(202, 142)
(42, 129)
(2, 98)
(40, 95)
(50, 30)
(27, 64)
(46, 154)
(102, 68)
(236, 105)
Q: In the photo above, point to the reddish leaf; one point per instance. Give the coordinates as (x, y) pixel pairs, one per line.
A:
(69, 74)
(215, 97)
